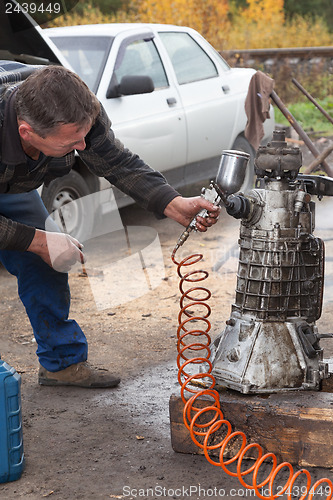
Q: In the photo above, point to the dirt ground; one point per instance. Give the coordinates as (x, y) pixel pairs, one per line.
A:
(81, 443)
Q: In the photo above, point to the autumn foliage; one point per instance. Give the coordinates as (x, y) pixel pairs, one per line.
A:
(260, 24)
(209, 17)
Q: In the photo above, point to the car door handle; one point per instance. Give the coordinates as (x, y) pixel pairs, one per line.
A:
(171, 101)
(226, 89)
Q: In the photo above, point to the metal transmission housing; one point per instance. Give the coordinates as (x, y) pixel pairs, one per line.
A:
(271, 342)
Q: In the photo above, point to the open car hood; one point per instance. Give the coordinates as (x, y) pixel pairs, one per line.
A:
(22, 40)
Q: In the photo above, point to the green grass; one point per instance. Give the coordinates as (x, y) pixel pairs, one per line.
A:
(309, 116)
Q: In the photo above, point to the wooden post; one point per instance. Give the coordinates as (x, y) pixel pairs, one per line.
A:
(297, 426)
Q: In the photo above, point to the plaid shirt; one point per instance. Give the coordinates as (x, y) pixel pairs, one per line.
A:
(105, 156)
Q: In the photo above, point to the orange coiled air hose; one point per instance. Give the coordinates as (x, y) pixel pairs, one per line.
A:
(202, 422)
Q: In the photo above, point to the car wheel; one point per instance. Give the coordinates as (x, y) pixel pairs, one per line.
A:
(64, 200)
(242, 144)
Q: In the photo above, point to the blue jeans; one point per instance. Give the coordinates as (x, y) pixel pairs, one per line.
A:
(43, 291)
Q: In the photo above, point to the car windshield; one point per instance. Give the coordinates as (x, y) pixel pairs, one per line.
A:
(86, 55)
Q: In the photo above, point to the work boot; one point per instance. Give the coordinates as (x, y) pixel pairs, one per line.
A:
(80, 375)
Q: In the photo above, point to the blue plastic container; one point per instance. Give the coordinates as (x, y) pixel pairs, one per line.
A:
(11, 434)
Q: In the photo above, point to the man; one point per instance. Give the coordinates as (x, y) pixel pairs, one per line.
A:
(43, 120)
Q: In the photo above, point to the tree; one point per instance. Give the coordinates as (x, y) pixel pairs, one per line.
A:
(104, 6)
(262, 12)
(305, 7)
(257, 24)
(312, 8)
(209, 17)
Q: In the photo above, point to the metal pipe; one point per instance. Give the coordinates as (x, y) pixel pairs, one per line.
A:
(293, 122)
(309, 96)
(319, 159)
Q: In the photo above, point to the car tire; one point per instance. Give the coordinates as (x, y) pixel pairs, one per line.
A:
(242, 144)
(67, 200)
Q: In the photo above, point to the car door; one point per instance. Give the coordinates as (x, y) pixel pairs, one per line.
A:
(152, 124)
(209, 97)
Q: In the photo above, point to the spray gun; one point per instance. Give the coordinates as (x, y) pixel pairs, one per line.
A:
(229, 179)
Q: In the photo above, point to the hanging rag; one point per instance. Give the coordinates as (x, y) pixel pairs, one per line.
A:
(257, 104)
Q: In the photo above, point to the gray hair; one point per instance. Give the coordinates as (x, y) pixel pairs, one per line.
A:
(54, 96)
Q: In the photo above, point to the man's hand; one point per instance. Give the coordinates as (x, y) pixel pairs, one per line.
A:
(58, 250)
(183, 210)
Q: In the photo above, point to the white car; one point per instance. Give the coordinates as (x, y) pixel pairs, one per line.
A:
(170, 96)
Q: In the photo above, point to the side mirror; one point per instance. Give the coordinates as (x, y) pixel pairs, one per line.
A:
(131, 85)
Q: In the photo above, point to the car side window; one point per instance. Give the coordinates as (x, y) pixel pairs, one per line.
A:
(189, 60)
(142, 58)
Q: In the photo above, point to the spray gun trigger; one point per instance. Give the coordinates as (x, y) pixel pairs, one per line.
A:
(210, 194)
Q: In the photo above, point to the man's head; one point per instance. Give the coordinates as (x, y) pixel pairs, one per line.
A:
(55, 110)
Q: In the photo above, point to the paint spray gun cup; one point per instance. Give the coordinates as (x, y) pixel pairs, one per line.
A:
(229, 179)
